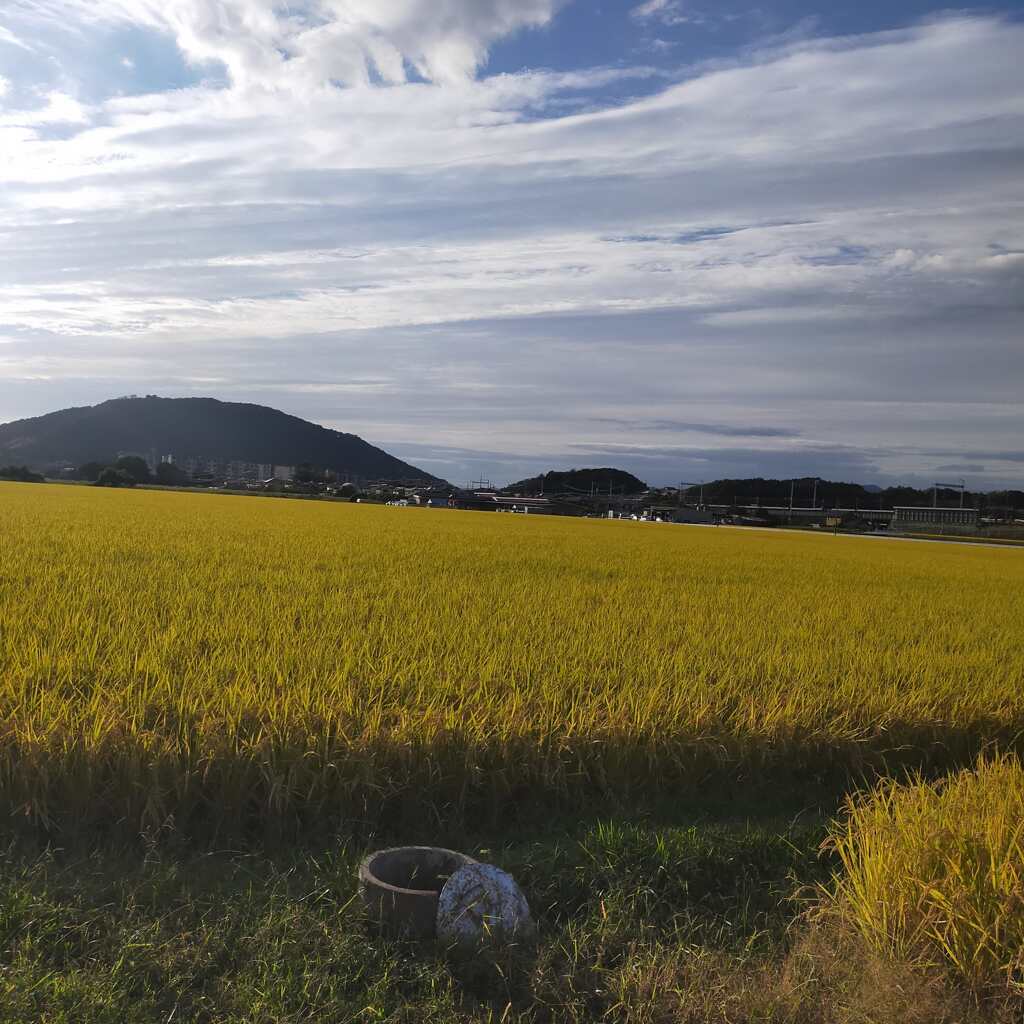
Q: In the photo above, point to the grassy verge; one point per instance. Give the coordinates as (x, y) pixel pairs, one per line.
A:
(640, 923)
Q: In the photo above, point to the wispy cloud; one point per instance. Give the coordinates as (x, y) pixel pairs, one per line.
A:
(8, 37)
(668, 12)
(711, 429)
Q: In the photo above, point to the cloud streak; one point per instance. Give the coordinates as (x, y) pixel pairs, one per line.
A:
(712, 429)
(666, 12)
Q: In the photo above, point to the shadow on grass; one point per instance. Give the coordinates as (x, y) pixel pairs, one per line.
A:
(214, 934)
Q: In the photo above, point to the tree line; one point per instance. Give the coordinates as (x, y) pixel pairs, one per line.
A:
(129, 470)
(21, 473)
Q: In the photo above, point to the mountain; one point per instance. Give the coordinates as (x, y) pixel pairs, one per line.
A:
(184, 427)
(579, 481)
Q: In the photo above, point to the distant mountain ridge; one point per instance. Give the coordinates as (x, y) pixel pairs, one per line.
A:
(837, 494)
(204, 427)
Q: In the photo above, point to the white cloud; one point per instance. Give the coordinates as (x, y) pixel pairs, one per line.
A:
(58, 108)
(902, 95)
(312, 42)
(827, 221)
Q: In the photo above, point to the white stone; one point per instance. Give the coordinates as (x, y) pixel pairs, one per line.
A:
(481, 900)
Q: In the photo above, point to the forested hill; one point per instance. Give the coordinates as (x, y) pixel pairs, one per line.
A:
(203, 427)
(579, 481)
(834, 494)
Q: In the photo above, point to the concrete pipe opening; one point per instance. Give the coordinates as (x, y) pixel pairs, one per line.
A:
(400, 887)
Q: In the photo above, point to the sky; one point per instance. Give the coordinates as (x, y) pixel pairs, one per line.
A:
(495, 237)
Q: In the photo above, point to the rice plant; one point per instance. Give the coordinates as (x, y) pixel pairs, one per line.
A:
(934, 873)
(213, 664)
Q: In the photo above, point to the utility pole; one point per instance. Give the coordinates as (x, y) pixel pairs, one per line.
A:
(814, 500)
(935, 491)
(691, 483)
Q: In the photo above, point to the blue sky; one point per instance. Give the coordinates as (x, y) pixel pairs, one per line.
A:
(500, 236)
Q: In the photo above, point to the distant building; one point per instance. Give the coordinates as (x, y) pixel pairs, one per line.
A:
(489, 501)
(876, 516)
(274, 483)
(781, 514)
(395, 488)
(250, 472)
(911, 517)
(199, 467)
(685, 514)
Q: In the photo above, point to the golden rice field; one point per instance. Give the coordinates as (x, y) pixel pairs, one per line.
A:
(215, 663)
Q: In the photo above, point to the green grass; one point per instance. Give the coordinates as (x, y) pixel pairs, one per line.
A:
(250, 938)
(639, 923)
